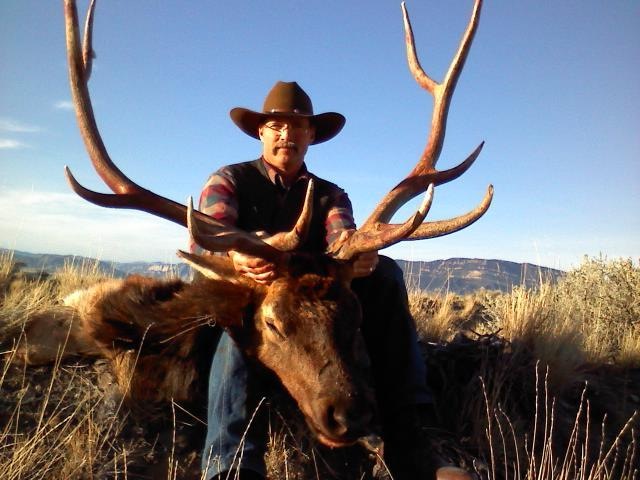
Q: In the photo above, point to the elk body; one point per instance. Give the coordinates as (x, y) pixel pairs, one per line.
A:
(158, 335)
(308, 316)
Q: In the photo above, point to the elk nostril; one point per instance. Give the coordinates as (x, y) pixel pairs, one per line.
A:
(337, 420)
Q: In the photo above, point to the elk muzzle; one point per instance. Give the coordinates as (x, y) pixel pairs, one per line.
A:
(342, 420)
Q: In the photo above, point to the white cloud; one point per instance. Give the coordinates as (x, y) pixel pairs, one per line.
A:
(64, 105)
(13, 126)
(9, 144)
(9, 125)
(54, 222)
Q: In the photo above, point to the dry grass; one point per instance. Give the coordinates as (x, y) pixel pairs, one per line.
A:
(49, 423)
(582, 420)
(439, 318)
(535, 384)
(536, 455)
(75, 276)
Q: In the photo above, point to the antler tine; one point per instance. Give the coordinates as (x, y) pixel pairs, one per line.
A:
(445, 227)
(87, 47)
(224, 239)
(142, 200)
(291, 240)
(381, 235)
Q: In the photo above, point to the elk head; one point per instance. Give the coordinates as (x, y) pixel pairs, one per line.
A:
(305, 327)
(308, 315)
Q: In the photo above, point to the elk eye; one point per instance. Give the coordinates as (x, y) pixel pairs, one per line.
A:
(273, 328)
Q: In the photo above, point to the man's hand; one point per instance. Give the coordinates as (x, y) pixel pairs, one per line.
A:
(365, 264)
(257, 269)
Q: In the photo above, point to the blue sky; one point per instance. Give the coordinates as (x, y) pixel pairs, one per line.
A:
(552, 87)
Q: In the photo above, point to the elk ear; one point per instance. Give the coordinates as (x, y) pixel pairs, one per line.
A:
(214, 267)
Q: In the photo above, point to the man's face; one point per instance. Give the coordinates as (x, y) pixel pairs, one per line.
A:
(285, 142)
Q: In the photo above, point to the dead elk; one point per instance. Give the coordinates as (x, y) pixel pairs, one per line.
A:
(309, 315)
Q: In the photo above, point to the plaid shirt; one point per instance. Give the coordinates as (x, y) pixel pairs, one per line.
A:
(218, 199)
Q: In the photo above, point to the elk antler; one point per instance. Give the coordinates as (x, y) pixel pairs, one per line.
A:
(127, 194)
(424, 174)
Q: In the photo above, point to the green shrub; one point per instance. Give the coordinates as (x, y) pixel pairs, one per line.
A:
(603, 297)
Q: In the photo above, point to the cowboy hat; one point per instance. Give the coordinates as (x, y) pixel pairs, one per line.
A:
(287, 100)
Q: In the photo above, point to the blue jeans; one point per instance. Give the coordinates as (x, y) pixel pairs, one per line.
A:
(235, 439)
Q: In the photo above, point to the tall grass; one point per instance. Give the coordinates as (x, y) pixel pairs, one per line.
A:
(535, 384)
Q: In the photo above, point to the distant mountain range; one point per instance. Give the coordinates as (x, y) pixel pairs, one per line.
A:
(466, 275)
(51, 262)
(455, 275)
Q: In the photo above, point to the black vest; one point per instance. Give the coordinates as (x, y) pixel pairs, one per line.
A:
(262, 205)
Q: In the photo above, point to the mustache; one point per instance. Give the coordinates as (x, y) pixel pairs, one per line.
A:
(291, 145)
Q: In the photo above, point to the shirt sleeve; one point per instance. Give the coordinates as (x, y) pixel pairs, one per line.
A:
(218, 200)
(339, 218)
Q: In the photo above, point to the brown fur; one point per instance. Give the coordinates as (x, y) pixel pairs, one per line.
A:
(154, 331)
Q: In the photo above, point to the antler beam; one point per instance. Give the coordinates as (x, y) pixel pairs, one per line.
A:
(127, 194)
(424, 173)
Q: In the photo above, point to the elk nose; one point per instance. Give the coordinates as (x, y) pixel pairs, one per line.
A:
(349, 417)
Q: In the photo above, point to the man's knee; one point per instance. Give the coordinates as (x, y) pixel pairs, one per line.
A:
(385, 286)
(389, 270)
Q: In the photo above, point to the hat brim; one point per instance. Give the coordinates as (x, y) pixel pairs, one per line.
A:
(327, 125)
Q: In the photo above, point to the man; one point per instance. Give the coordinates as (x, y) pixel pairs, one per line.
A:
(266, 194)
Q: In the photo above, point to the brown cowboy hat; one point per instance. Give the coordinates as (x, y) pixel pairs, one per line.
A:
(288, 99)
